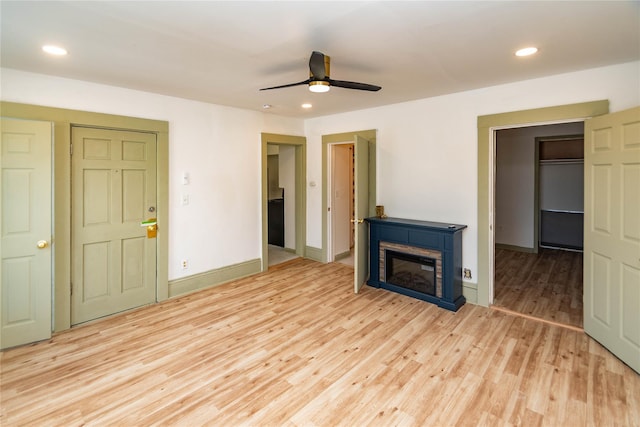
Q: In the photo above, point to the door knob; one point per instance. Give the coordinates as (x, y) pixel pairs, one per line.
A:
(357, 221)
(42, 244)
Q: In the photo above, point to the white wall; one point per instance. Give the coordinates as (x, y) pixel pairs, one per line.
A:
(427, 149)
(515, 185)
(220, 148)
(426, 153)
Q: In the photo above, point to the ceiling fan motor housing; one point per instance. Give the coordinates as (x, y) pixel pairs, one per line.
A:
(327, 69)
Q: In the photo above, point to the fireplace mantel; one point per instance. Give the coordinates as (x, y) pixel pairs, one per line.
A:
(414, 236)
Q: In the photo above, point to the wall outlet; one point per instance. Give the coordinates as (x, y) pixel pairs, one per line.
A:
(466, 273)
(185, 264)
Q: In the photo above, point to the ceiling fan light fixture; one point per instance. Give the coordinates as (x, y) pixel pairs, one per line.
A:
(319, 86)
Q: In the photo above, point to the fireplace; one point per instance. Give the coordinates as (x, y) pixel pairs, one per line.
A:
(413, 260)
(420, 259)
(411, 272)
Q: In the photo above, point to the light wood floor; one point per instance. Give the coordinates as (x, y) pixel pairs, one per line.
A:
(295, 346)
(547, 285)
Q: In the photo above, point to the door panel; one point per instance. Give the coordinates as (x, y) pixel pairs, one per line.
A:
(612, 233)
(25, 294)
(132, 267)
(113, 191)
(361, 251)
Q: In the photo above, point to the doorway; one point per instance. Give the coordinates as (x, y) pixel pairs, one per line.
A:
(364, 194)
(341, 239)
(487, 125)
(539, 221)
(287, 194)
(281, 197)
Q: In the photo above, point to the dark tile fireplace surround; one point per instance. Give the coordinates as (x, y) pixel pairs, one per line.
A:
(420, 259)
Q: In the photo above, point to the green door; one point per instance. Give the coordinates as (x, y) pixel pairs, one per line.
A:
(612, 233)
(25, 244)
(361, 208)
(113, 191)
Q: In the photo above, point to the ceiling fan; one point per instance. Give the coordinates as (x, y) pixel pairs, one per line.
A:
(319, 80)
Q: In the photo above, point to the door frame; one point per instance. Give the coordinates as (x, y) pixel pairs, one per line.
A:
(346, 137)
(63, 120)
(487, 125)
(300, 144)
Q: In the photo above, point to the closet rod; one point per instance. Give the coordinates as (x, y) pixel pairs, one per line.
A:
(562, 162)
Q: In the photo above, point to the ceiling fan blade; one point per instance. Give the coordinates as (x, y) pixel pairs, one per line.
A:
(316, 65)
(289, 85)
(354, 85)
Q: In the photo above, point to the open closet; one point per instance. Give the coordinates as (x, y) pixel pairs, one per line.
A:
(561, 192)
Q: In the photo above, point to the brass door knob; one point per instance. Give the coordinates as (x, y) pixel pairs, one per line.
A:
(357, 221)
(42, 244)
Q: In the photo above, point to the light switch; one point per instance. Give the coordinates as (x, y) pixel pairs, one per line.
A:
(185, 178)
(185, 199)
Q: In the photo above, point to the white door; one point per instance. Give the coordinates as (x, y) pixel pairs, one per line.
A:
(361, 250)
(612, 233)
(113, 191)
(25, 294)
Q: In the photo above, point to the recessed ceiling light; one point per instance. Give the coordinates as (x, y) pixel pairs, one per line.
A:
(54, 50)
(266, 106)
(526, 51)
(306, 105)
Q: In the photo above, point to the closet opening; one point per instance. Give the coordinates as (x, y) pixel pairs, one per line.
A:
(539, 210)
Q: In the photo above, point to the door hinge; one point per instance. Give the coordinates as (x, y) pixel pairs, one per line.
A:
(71, 149)
(71, 289)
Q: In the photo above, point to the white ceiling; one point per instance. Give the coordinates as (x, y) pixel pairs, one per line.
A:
(224, 52)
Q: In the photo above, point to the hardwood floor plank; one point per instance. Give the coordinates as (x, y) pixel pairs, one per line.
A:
(295, 346)
(547, 285)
